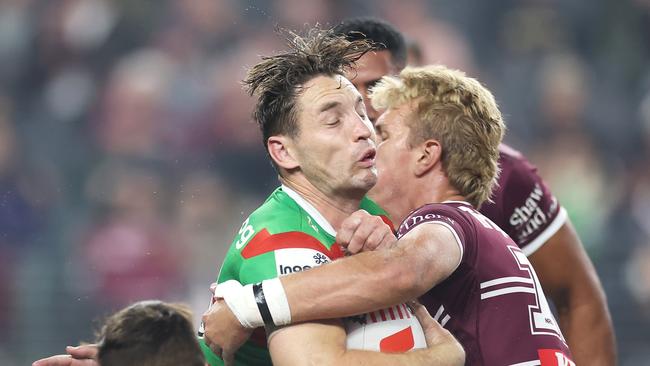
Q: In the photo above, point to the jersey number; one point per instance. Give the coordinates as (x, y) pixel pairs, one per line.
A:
(245, 233)
(541, 317)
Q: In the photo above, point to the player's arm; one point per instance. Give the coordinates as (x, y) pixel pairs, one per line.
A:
(373, 280)
(569, 278)
(353, 285)
(324, 343)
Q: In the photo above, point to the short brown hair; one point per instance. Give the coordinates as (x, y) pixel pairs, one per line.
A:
(457, 111)
(277, 80)
(150, 333)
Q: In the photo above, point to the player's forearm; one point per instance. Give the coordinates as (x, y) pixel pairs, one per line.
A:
(353, 285)
(586, 324)
(445, 354)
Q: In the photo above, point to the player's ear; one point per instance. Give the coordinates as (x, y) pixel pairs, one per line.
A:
(281, 150)
(429, 153)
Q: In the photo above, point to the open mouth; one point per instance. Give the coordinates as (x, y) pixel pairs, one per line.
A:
(368, 156)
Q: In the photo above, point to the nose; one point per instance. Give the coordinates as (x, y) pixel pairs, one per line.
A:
(363, 129)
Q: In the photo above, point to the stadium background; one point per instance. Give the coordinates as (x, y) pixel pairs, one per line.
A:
(128, 159)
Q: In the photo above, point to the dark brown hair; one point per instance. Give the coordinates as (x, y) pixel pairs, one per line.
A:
(150, 333)
(277, 80)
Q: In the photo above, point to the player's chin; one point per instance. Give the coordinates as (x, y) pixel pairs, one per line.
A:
(366, 178)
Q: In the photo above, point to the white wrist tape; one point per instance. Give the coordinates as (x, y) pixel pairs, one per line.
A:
(247, 307)
(276, 299)
(241, 301)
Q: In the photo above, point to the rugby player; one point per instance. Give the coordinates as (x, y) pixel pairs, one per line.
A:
(522, 205)
(439, 147)
(320, 140)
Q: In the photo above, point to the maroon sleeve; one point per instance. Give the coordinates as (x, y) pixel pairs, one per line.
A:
(523, 206)
(445, 215)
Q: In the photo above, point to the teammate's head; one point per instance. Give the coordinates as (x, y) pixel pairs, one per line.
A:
(388, 59)
(149, 333)
(438, 115)
(312, 118)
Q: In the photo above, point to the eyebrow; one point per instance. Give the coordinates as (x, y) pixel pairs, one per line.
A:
(335, 104)
(329, 106)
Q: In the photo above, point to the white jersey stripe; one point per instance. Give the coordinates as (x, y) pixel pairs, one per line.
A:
(507, 290)
(445, 320)
(501, 280)
(541, 239)
(439, 313)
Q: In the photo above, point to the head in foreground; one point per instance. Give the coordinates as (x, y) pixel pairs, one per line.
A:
(150, 333)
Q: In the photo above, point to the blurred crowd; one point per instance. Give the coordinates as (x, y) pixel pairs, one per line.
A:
(128, 158)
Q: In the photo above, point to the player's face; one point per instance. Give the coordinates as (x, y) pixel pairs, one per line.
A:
(368, 71)
(394, 155)
(335, 147)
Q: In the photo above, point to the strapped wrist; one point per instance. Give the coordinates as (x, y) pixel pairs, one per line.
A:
(256, 305)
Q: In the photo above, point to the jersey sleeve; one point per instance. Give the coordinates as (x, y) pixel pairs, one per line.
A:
(524, 206)
(441, 215)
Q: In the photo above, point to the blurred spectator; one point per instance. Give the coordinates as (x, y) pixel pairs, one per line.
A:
(130, 251)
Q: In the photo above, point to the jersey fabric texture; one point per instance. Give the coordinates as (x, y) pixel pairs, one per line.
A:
(522, 205)
(493, 302)
(286, 235)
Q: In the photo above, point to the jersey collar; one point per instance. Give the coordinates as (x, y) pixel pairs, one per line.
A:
(461, 202)
(311, 210)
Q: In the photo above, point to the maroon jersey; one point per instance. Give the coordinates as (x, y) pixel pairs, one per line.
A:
(523, 206)
(493, 302)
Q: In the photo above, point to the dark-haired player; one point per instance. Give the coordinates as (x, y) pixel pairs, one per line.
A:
(315, 129)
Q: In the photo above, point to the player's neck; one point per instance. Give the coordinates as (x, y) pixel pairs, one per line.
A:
(334, 208)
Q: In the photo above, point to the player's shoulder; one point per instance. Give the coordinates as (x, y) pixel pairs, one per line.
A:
(446, 213)
(278, 213)
(280, 223)
(514, 165)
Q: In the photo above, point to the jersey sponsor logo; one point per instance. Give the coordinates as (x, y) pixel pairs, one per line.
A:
(412, 221)
(530, 214)
(554, 357)
(297, 260)
(265, 242)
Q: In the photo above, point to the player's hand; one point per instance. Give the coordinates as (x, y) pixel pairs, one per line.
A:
(438, 337)
(85, 355)
(222, 331)
(362, 232)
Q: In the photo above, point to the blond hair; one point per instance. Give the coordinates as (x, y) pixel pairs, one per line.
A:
(457, 111)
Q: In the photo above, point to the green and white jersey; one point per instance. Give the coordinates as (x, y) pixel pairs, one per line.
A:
(285, 235)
